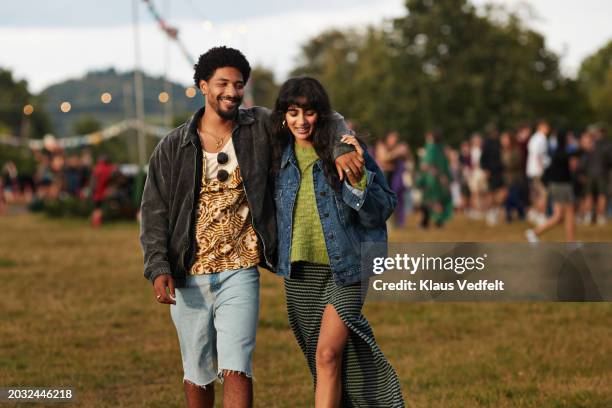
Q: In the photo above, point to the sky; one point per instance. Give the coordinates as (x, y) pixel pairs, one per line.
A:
(46, 42)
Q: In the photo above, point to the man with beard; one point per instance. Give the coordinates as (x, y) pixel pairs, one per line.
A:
(208, 220)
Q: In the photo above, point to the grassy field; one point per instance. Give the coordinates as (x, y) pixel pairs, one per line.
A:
(76, 312)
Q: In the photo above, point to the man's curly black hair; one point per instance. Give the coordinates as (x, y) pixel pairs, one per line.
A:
(219, 57)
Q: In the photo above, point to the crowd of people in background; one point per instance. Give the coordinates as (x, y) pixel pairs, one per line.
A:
(541, 175)
(61, 175)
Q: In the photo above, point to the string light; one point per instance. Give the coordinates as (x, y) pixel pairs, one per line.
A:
(106, 97)
(163, 97)
(190, 92)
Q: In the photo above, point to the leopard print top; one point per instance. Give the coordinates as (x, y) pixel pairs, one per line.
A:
(224, 233)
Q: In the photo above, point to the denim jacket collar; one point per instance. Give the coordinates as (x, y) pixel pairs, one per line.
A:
(245, 117)
(289, 156)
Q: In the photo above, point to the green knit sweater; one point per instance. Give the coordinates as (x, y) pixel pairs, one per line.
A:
(307, 241)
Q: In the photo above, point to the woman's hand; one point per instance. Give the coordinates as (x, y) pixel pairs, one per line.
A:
(352, 140)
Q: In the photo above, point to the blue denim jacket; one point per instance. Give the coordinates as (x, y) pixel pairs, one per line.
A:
(348, 217)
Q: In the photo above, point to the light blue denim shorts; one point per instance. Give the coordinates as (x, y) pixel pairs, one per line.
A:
(216, 319)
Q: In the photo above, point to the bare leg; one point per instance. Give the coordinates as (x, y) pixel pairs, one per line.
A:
(569, 222)
(601, 206)
(588, 207)
(552, 221)
(487, 201)
(330, 346)
(237, 390)
(96, 218)
(199, 397)
(582, 209)
(500, 196)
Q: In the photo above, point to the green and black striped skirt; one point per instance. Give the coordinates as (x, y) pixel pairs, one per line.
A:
(368, 380)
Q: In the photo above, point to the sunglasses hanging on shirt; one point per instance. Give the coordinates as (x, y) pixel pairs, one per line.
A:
(222, 158)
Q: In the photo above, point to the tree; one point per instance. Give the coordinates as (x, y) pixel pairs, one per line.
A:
(331, 58)
(263, 87)
(443, 65)
(14, 96)
(480, 68)
(595, 78)
(86, 124)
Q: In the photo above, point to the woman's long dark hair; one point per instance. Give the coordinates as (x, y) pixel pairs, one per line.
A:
(306, 93)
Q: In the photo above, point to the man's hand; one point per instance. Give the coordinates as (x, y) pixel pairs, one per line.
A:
(351, 163)
(159, 287)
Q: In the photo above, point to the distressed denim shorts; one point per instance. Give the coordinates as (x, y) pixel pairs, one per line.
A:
(216, 319)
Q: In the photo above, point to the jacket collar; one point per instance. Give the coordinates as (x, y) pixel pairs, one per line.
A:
(190, 133)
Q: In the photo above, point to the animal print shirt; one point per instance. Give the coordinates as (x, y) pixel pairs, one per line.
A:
(225, 237)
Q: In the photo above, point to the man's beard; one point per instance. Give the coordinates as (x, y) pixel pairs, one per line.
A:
(231, 114)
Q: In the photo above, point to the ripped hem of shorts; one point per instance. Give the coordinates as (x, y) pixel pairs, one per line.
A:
(224, 372)
(185, 380)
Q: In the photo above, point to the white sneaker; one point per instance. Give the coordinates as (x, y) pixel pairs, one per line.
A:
(601, 221)
(531, 236)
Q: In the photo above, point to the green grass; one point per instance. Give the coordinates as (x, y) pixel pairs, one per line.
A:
(76, 312)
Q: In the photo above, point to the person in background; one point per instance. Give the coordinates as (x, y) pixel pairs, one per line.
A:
(513, 175)
(476, 178)
(10, 181)
(523, 133)
(598, 171)
(2, 198)
(407, 177)
(102, 173)
(580, 163)
(559, 178)
(465, 166)
(390, 154)
(456, 177)
(388, 151)
(437, 204)
(72, 175)
(491, 164)
(537, 161)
